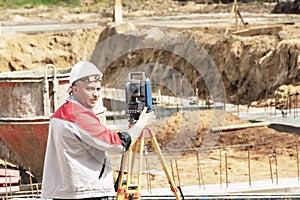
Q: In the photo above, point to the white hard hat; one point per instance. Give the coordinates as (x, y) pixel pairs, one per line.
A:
(84, 69)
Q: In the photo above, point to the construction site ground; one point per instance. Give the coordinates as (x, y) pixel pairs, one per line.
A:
(241, 155)
(239, 158)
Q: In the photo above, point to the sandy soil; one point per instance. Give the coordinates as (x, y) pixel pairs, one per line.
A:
(245, 155)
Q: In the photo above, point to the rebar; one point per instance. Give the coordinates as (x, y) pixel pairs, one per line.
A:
(177, 170)
(220, 152)
(226, 169)
(200, 175)
(6, 191)
(297, 154)
(276, 167)
(271, 173)
(173, 174)
(148, 175)
(273, 155)
(199, 182)
(147, 168)
(249, 167)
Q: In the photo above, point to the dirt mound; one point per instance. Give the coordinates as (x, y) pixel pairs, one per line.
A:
(285, 97)
(190, 129)
(288, 7)
(25, 52)
(194, 126)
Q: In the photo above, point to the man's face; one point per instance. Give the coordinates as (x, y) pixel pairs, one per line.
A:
(87, 94)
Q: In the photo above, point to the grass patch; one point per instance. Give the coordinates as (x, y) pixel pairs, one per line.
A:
(22, 3)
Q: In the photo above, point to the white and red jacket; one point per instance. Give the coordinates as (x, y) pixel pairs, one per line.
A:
(76, 161)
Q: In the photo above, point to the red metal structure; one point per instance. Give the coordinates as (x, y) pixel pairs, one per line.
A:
(27, 100)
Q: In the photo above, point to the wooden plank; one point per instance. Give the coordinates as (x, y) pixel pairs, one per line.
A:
(3, 190)
(9, 172)
(240, 126)
(3, 162)
(268, 30)
(9, 180)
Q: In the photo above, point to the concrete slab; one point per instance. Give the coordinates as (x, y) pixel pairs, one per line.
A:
(285, 187)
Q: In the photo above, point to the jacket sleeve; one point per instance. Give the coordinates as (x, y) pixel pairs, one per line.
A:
(88, 129)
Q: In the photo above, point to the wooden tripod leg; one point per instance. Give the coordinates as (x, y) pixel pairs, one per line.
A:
(131, 160)
(125, 188)
(163, 164)
(142, 141)
(130, 163)
(123, 183)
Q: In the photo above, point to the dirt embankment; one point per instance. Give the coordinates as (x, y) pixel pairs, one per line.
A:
(252, 67)
(25, 52)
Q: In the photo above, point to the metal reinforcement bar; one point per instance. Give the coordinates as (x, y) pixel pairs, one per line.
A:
(240, 126)
(214, 147)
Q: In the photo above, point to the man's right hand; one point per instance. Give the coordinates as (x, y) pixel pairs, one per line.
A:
(145, 118)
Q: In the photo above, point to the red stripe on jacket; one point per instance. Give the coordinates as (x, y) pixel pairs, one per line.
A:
(88, 121)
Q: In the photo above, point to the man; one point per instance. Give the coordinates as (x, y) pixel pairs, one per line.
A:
(76, 161)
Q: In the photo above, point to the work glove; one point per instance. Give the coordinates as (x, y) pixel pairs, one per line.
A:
(145, 119)
(126, 139)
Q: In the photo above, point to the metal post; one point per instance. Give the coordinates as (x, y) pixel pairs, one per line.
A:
(118, 17)
(47, 104)
(226, 169)
(147, 167)
(236, 16)
(6, 190)
(270, 163)
(177, 171)
(200, 175)
(290, 102)
(142, 141)
(173, 174)
(198, 167)
(220, 154)
(149, 179)
(275, 155)
(297, 103)
(10, 186)
(297, 154)
(249, 167)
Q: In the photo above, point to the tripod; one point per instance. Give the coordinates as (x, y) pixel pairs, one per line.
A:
(125, 188)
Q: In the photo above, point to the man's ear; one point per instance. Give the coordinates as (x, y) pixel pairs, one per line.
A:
(72, 88)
